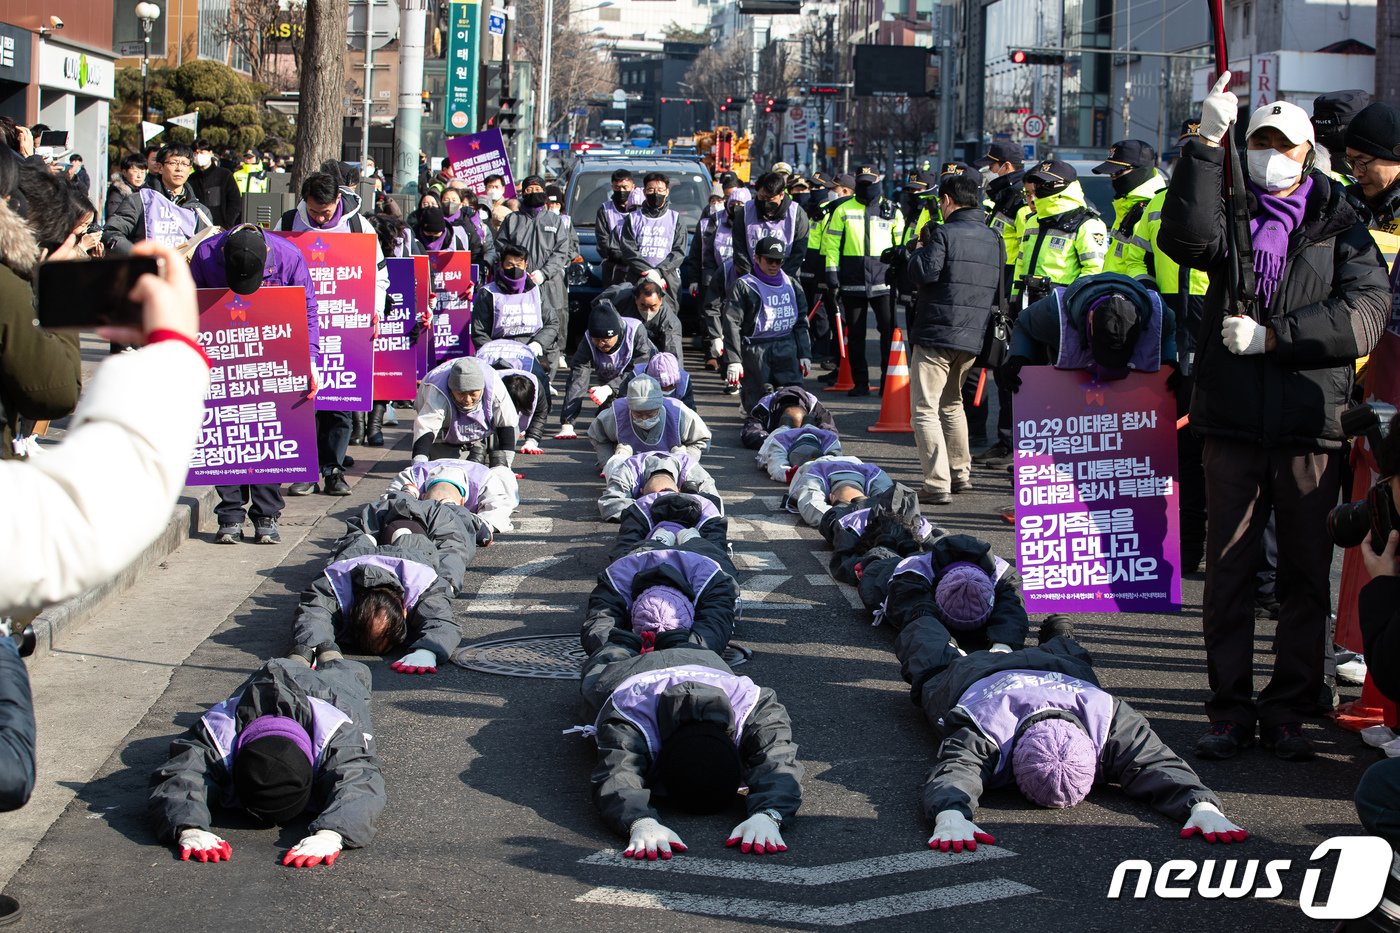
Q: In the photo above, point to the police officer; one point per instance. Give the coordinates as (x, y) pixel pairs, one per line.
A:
(857, 236)
(1003, 180)
(1132, 168)
(813, 275)
(1332, 114)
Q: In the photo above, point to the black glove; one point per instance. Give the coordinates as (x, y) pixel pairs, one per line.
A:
(833, 281)
(675, 638)
(626, 638)
(890, 256)
(1010, 373)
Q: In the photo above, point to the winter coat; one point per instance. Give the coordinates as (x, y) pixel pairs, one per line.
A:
(432, 625)
(860, 535)
(548, 239)
(16, 730)
(809, 487)
(624, 764)
(1379, 609)
(691, 433)
(636, 264)
(348, 791)
(663, 328)
(957, 271)
(494, 489)
(774, 457)
(454, 531)
(581, 371)
(911, 591)
(435, 413)
(624, 480)
(1331, 307)
(741, 312)
(117, 192)
(217, 189)
(484, 317)
(674, 512)
(767, 416)
(284, 265)
(351, 221)
(1036, 335)
(1132, 756)
(744, 212)
(126, 226)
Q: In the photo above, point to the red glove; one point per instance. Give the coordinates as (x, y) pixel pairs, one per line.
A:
(787, 478)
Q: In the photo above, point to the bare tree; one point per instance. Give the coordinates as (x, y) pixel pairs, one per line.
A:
(320, 107)
(268, 34)
(580, 71)
(721, 71)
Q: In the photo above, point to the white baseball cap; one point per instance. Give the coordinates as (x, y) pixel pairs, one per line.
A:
(1289, 119)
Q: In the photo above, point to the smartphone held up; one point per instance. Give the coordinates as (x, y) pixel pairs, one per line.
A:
(92, 293)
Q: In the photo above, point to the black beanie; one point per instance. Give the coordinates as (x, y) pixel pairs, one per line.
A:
(700, 767)
(1375, 131)
(272, 777)
(431, 222)
(604, 321)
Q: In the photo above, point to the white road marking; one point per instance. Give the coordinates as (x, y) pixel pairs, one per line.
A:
(825, 579)
(770, 503)
(804, 915)
(773, 873)
(758, 588)
(754, 528)
(533, 525)
(758, 560)
(497, 593)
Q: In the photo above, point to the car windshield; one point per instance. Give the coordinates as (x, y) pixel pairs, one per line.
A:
(689, 195)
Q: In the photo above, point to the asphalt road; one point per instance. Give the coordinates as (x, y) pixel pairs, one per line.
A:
(489, 823)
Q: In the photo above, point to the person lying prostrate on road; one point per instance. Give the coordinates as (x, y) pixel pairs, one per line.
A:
(291, 739)
(672, 512)
(887, 527)
(464, 411)
(829, 481)
(972, 592)
(645, 421)
(377, 599)
(681, 721)
(530, 396)
(454, 531)
(786, 449)
(765, 320)
(787, 407)
(514, 355)
(610, 348)
(642, 474)
(511, 307)
(665, 368)
(491, 494)
(691, 569)
(1037, 717)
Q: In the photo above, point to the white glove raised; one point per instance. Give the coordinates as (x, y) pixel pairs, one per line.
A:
(650, 840)
(1243, 336)
(733, 374)
(1207, 820)
(535, 348)
(954, 832)
(758, 834)
(537, 276)
(566, 433)
(204, 846)
(654, 276)
(1220, 109)
(717, 348)
(805, 366)
(663, 536)
(600, 394)
(531, 447)
(419, 661)
(320, 847)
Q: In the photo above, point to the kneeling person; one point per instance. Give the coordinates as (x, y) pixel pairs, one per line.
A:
(645, 422)
(464, 411)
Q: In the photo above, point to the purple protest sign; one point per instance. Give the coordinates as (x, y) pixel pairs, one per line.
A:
(343, 266)
(400, 335)
(259, 426)
(423, 285)
(1098, 528)
(454, 279)
(475, 156)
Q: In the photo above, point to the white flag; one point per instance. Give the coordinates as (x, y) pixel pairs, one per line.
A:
(189, 121)
(150, 131)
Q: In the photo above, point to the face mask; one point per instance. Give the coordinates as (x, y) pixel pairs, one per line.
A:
(772, 210)
(514, 273)
(620, 198)
(533, 200)
(1272, 170)
(202, 159)
(865, 191)
(646, 424)
(494, 194)
(986, 173)
(656, 201)
(649, 313)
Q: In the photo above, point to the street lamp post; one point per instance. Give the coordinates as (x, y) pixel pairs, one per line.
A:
(147, 13)
(546, 63)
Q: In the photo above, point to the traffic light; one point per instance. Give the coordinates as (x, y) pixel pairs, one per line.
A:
(729, 104)
(427, 105)
(506, 118)
(768, 103)
(1025, 57)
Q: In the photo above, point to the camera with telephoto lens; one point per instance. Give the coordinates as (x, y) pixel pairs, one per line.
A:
(21, 633)
(1350, 523)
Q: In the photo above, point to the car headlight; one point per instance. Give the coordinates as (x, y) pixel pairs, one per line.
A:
(577, 273)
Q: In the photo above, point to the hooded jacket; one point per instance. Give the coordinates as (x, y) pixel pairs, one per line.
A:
(492, 493)
(454, 531)
(1062, 239)
(624, 763)
(674, 512)
(1331, 307)
(1036, 335)
(810, 485)
(767, 416)
(348, 791)
(352, 221)
(624, 480)
(957, 272)
(692, 432)
(663, 328)
(1127, 211)
(1132, 756)
(914, 582)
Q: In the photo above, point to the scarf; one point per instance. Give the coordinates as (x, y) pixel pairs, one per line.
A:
(1272, 224)
(512, 286)
(453, 218)
(774, 280)
(432, 244)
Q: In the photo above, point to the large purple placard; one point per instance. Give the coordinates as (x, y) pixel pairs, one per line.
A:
(454, 281)
(1097, 519)
(475, 156)
(400, 333)
(259, 426)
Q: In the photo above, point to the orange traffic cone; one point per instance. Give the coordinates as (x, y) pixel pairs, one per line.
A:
(1371, 709)
(844, 381)
(895, 417)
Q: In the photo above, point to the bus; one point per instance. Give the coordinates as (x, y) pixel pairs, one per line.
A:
(613, 132)
(643, 135)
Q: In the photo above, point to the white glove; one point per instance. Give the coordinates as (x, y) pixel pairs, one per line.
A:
(420, 661)
(664, 537)
(758, 834)
(650, 839)
(1207, 820)
(717, 348)
(420, 458)
(566, 433)
(535, 348)
(999, 648)
(805, 366)
(323, 846)
(733, 374)
(537, 277)
(686, 534)
(600, 394)
(694, 289)
(955, 832)
(654, 276)
(1243, 336)
(1220, 109)
(204, 846)
(531, 447)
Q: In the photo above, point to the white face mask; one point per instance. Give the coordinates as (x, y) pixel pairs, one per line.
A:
(646, 424)
(1272, 170)
(202, 159)
(986, 173)
(495, 194)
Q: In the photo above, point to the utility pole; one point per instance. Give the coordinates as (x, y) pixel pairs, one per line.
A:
(1127, 68)
(413, 22)
(546, 64)
(948, 78)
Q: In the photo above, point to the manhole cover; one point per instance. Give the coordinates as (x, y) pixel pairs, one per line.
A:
(552, 657)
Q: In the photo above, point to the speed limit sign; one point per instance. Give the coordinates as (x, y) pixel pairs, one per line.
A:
(1034, 127)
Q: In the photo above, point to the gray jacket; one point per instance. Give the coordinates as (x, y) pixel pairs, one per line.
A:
(550, 242)
(454, 531)
(772, 772)
(348, 795)
(663, 328)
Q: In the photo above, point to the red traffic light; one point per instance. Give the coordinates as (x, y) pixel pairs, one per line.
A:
(768, 103)
(1019, 57)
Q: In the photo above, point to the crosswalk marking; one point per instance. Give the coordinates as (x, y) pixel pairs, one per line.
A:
(807, 876)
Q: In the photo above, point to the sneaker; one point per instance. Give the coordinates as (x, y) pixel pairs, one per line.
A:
(962, 485)
(334, 484)
(265, 531)
(731, 390)
(997, 451)
(1224, 740)
(1054, 626)
(301, 489)
(228, 534)
(932, 497)
(1287, 742)
(1352, 671)
(348, 460)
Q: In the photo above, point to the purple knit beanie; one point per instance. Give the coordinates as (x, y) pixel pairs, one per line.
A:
(662, 609)
(1054, 763)
(664, 369)
(964, 596)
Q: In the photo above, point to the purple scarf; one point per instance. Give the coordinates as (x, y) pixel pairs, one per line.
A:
(453, 218)
(1270, 227)
(434, 244)
(774, 280)
(511, 286)
(335, 218)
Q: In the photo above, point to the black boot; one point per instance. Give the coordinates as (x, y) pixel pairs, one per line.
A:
(357, 428)
(374, 425)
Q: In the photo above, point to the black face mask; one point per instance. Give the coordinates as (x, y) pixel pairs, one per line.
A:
(772, 210)
(1127, 181)
(532, 200)
(656, 201)
(620, 198)
(866, 191)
